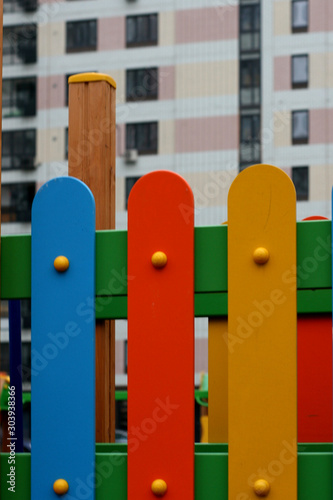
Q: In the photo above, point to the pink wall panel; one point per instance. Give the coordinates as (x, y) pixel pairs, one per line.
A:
(51, 92)
(320, 15)
(212, 23)
(206, 134)
(166, 78)
(201, 355)
(282, 73)
(111, 33)
(321, 126)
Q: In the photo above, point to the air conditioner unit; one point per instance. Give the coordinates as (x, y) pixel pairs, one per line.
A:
(131, 156)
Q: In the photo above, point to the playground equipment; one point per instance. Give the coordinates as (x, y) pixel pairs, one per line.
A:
(250, 271)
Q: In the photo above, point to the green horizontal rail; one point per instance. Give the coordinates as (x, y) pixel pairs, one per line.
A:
(211, 279)
(211, 473)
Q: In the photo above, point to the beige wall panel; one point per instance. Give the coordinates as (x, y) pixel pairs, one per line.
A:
(119, 76)
(51, 39)
(330, 70)
(120, 194)
(51, 145)
(318, 70)
(207, 79)
(210, 189)
(282, 18)
(320, 182)
(166, 137)
(166, 28)
(282, 129)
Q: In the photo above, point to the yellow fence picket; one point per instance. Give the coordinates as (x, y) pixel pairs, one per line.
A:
(262, 335)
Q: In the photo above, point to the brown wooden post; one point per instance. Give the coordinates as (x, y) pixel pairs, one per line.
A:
(92, 159)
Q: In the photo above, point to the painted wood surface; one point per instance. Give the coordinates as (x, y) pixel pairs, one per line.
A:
(92, 159)
(218, 380)
(262, 335)
(161, 337)
(63, 341)
(314, 368)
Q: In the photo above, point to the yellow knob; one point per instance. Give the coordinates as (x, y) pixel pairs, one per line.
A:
(261, 487)
(60, 486)
(61, 263)
(260, 255)
(159, 487)
(159, 260)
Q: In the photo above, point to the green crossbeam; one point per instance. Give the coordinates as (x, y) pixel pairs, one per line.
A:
(313, 271)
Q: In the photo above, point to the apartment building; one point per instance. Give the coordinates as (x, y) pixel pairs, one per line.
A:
(205, 88)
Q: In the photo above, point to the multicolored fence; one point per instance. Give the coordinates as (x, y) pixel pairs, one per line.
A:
(270, 391)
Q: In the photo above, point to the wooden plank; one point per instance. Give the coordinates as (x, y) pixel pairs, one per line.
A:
(218, 380)
(92, 159)
(262, 362)
(313, 240)
(62, 341)
(160, 332)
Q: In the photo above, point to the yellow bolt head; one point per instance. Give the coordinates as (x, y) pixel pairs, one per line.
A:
(60, 486)
(61, 263)
(159, 260)
(261, 255)
(159, 487)
(261, 487)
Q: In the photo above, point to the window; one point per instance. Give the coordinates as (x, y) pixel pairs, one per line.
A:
(142, 137)
(18, 97)
(16, 201)
(141, 84)
(130, 181)
(300, 127)
(250, 82)
(300, 72)
(18, 149)
(19, 44)
(250, 139)
(300, 177)
(19, 5)
(81, 36)
(141, 30)
(300, 16)
(250, 27)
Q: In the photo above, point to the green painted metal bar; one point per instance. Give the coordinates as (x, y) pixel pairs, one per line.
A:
(211, 473)
(313, 268)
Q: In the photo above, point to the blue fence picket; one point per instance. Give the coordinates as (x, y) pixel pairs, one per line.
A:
(63, 341)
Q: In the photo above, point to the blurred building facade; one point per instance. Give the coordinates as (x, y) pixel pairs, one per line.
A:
(205, 88)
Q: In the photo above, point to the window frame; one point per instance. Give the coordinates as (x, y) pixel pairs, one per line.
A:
(87, 47)
(13, 141)
(299, 29)
(151, 94)
(300, 84)
(29, 109)
(151, 40)
(141, 150)
(129, 186)
(300, 196)
(253, 88)
(11, 212)
(22, 38)
(300, 140)
(252, 30)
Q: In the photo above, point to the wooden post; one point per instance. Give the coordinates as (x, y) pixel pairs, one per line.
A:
(92, 159)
